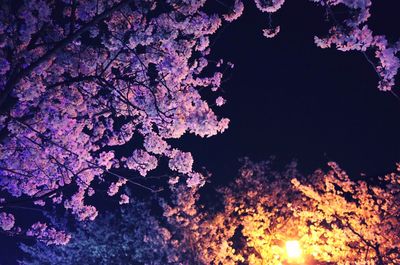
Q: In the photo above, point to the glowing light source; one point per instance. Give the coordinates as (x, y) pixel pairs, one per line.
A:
(293, 250)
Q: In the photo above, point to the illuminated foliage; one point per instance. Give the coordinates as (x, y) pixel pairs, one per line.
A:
(257, 219)
(269, 216)
(352, 221)
(82, 80)
(332, 218)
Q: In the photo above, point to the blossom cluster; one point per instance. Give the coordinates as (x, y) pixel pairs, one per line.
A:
(7, 221)
(81, 79)
(335, 220)
(351, 33)
(48, 235)
(94, 75)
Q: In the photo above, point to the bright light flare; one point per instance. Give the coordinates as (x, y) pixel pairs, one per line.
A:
(293, 250)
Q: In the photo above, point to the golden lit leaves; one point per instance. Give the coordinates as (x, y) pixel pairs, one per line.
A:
(333, 218)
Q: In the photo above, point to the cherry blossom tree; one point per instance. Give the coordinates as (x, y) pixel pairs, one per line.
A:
(352, 221)
(160, 230)
(334, 219)
(350, 34)
(80, 80)
(130, 235)
(257, 217)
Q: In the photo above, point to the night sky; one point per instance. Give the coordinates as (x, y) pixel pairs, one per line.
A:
(288, 98)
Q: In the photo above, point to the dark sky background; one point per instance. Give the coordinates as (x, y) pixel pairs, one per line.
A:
(288, 98)
(293, 100)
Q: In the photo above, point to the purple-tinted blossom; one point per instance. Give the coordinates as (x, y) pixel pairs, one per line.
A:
(236, 12)
(106, 159)
(220, 101)
(90, 191)
(40, 202)
(155, 144)
(195, 180)
(271, 32)
(57, 199)
(124, 199)
(50, 236)
(77, 206)
(65, 124)
(173, 180)
(181, 161)
(115, 186)
(142, 162)
(269, 6)
(7, 221)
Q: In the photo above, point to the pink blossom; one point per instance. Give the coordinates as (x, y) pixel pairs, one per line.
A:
(195, 180)
(115, 186)
(124, 199)
(203, 44)
(181, 161)
(82, 211)
(173, 180)
(269, 6)
(223, 124)
(77, 105)
(362, 39)
(57, 199)
(236, 12)
(7, 221)
(155, 144)
(40, 202)
(90, 191)
(105, 159)
(220, 101)
(48, 235)
(142, 162)
(271, 32)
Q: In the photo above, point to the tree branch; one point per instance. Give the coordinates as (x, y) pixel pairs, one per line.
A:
(16, 78)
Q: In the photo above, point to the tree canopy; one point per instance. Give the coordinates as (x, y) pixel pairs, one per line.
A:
(94, 92)
(334, 220)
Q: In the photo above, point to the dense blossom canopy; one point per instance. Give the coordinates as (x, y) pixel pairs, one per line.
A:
(81, 79)
(131, 235)
(334, 220)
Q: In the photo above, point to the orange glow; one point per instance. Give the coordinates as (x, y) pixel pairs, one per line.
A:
(293, 250)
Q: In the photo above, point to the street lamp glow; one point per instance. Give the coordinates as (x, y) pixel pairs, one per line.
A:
(293, 250)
